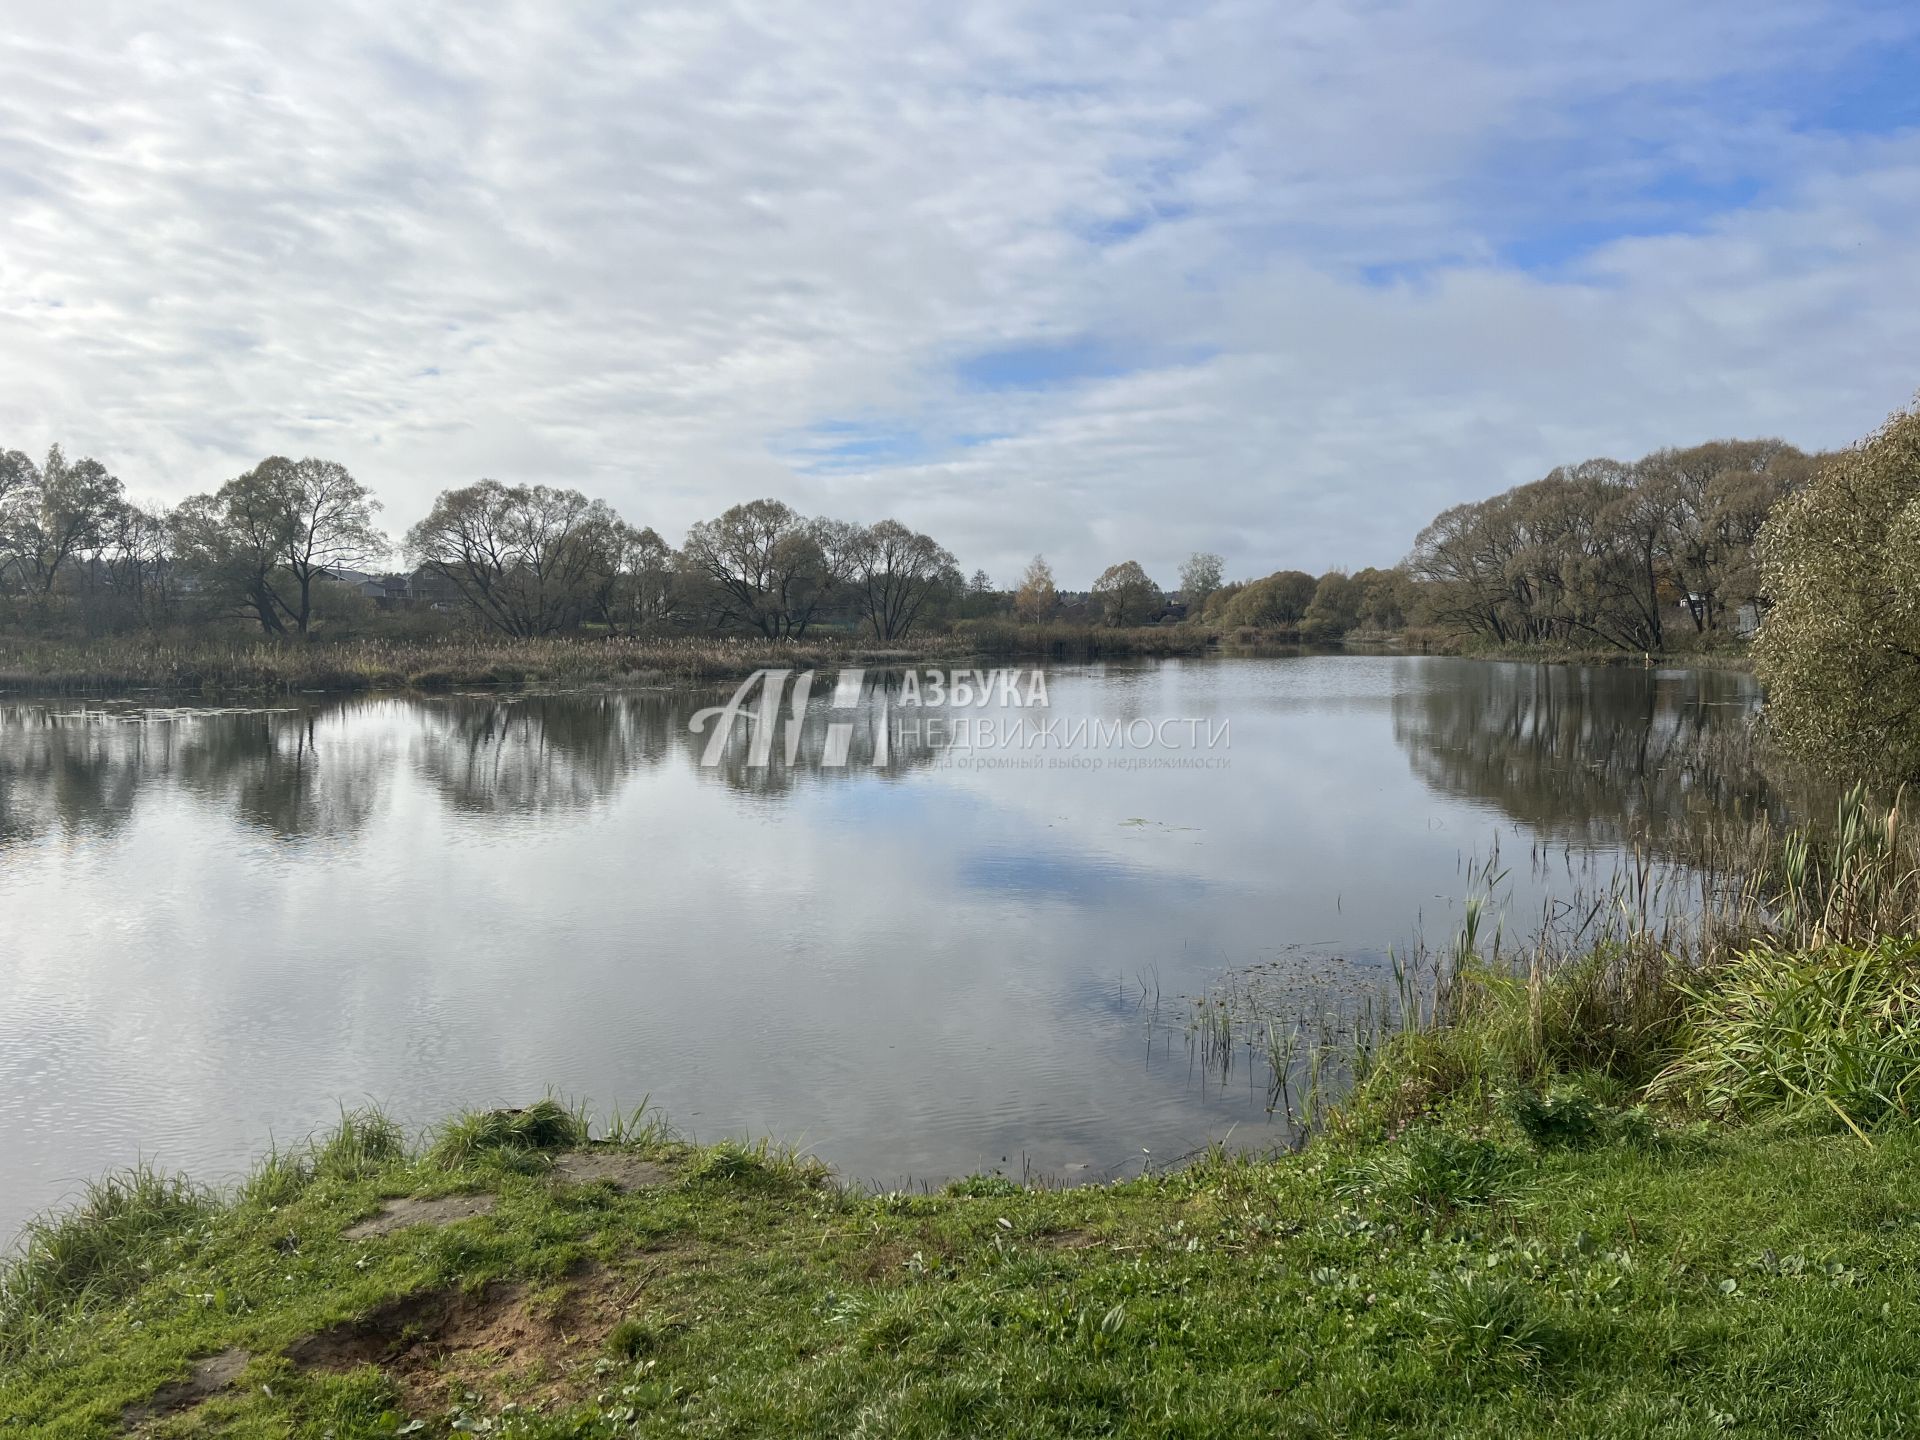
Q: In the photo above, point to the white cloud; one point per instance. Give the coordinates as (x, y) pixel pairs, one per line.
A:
(641, 249)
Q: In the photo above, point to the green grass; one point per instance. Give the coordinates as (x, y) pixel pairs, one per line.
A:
(1473, 1274)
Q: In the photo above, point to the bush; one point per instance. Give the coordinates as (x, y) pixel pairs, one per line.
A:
(1840, 649)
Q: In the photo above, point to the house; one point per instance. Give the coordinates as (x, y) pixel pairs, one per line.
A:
(389, 592)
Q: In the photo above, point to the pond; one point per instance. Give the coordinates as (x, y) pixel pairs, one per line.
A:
(963, 949)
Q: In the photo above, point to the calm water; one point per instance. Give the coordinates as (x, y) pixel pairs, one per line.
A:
(218, 926)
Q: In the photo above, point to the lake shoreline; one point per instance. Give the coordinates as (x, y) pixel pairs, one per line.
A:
(199, 670)
(512, 1273)
(40, 668)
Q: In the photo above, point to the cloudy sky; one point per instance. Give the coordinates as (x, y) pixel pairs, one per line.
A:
(1276, 279)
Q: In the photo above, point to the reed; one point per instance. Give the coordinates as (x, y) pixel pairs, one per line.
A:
(201, 666)
(1759, 967)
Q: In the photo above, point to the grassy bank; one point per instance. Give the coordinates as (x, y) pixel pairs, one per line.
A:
(1469, 1275)
(201, 666)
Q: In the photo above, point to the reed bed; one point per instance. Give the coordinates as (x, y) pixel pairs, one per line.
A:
(203, 666)
(1761, 967)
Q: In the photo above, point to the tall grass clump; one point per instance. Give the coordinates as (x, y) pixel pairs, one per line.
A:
(363, 1143)
(1836, 1025)
(99, 1251)
(510, 1134)
(1769, 966)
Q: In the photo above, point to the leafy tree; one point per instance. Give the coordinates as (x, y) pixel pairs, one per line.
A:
(1609, 553)
(1278, 602)
(528, 559)
(1036, 598)
(1221, 601)
(1388, 598)
(19, 506)
(894, 573)
(1840, 647)
(1199, 578)
(1335, 607)
(1125, 594)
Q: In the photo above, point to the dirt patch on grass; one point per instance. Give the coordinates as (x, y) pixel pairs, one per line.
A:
(1072, 1240)
(622, 1170)
(209, 1376)
(490, 1341)
(399, 1214)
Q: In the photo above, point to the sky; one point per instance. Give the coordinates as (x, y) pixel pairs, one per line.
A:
(1278, 280)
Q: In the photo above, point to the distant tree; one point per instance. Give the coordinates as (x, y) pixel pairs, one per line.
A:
(63, 511)
(1278, 602)
(1840, 647)
(980, 583)
(1715, 499)
(1609, 553)
(264, 538)
(1036, 598)
(642, 586)
(528, 559)
(764, 567)
(1388, 598)
(1220, 601)
(1199, 578)
(894, 572)
(1335, 607)
(19, 508)
(1125, 594)
(138, 563)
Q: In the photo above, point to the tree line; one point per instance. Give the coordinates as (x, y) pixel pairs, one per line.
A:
(1602, 553)
(285, 549)
(281, 546)
(1612, 554)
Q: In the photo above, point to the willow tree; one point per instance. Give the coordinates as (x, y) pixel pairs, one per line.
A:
(529, 560)
(1126, 594)
(1840, 646)
(763, 566)
(263, 540)
(895, 572)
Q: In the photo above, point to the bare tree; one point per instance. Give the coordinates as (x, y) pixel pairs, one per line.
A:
(529, 559)
(765, 567)
(1199, 578)
(894, 572)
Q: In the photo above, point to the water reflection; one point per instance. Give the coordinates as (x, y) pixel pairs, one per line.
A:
(321, 768)
(1587, 756)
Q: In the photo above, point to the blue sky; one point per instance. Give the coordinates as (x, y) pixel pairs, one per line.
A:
(1277, 280)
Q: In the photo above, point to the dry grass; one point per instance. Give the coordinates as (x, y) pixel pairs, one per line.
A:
(211, 666)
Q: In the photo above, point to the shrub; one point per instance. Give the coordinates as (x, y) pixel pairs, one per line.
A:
(1840, 648)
